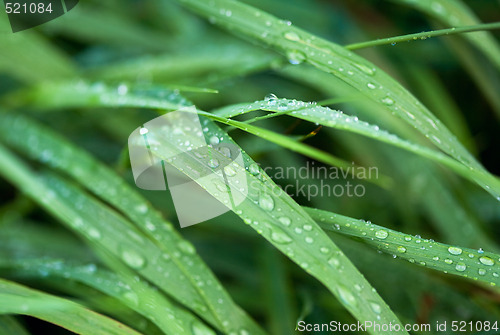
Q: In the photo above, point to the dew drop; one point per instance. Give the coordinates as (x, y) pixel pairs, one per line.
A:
(346, 296)
(200, 329)
(266, 202)
(365, 69)
(408, 238)
(295, 57)
(324, 250)
(230, 171)
(143, 131)
(375, 307)
(486, 260)
(214, 140)
(309, 240)
(455, 251)
(334, 262)
(94, 233)
(292, 36)
(254, 169)
(381, 234)
(448, 261)
(401, 249)
(285, 221)
(482, 272)
(307, 227)
(213, 163)
(280, 237)
(186, 247)
(461, 267)
(371, 86)
(387, 101)
(271, 97)
(133, 259)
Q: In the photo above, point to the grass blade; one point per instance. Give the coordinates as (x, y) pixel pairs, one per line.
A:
(336, 119)
(477, 265)
(172, 252)
(17, 299)
(274, 215)
(301, 46)
(126, 289)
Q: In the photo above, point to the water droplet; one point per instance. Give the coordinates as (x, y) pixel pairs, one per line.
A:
(292, 36)
(408, 238)
(455, 251)
(132, 297)
(94, 233)
(214, 140)
(346, 296)
(448, 261)
(401, 249)
(199, 328)
(324, 250)
(388, 101)
(295, 57)
(285, 221)
(381, 234)
(254, 169)
(480, 251)
(371, 86)
(271, 97)
(375, 307)
(133, 259)
(213, 163)
(230, 171)
(143, 131)
(334, 262)
(309, 240)
(482, 272)
(486, 260)
(307, 227)
(266, 202)
(461, 267)
(122, 89)
(186, 247)
(369, 71)
(279, 236)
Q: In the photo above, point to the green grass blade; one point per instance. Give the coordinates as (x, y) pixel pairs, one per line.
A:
(423, 36)
(34, 57)
(455, 13)
(477, 265)
(279, 219)
(172, 252)
(17, 299)
(9, 325)
(336, 119)
(130, 290)
(57, 95)
(301, 46)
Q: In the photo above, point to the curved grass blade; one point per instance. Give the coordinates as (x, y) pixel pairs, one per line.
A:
(274, 215)
(336, 119)
(131, 291)
(475, 264)
(455, 13)
(301, 46)
(170, 252)
(17, 299)
(423, 35)
(9, 325)
(80, 93)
